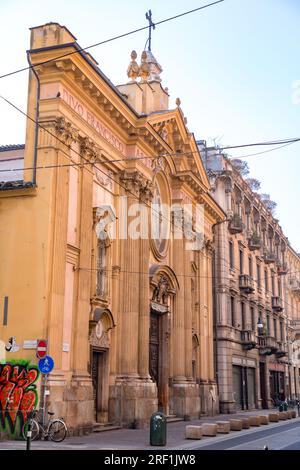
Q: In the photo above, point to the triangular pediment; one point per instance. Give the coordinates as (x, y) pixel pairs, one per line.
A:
(171, 126)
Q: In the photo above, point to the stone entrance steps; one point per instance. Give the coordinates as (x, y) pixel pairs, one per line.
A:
(173, 419)
(101, 427)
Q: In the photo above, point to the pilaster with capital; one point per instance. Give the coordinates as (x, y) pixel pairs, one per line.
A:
(134, 254)
(81, 327)
(179, 309)
(146, 194)
(60, 177)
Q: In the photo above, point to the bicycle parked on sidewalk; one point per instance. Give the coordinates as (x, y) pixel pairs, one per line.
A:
(56, 429)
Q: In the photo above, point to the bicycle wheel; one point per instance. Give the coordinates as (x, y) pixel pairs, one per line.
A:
(57, 430)
(35, 430)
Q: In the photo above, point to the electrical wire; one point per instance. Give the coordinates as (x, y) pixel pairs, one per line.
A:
(83, 49)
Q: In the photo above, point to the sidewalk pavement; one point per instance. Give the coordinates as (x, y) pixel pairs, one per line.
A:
(134, 439)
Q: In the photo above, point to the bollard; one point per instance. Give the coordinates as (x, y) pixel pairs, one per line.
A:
(28, 434)
(158, 429)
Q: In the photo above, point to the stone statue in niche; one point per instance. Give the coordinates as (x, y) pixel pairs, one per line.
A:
(160, 293)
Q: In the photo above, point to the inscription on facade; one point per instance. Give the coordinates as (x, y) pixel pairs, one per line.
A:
(91, 119)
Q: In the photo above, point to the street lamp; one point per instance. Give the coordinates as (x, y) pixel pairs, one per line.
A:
(259, 326)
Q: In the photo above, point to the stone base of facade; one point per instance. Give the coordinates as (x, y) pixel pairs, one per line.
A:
(227, 407)
(132, 402)
(72, 400)
(185, 400)
(209, 398)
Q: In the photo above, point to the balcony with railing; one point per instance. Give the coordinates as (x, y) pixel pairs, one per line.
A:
(269, 256)
(277, 304)
(246, 284)
(248, 339)
(267, 345)
(294, 284)
(282, 268)
(282, 349)
(236, 224)
(254, 242)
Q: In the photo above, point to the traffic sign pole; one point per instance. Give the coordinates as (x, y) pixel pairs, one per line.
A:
(45, 366)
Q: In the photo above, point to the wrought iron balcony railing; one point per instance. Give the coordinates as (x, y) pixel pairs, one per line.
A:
(248, 339)
(254, 242)
(277, 304)
(282, 268)
(236, 224)
(269, 257)
(282, 349)
(294, 284)
(246, 284)
(267, 345)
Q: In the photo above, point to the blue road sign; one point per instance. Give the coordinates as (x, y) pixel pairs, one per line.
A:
(46, 365)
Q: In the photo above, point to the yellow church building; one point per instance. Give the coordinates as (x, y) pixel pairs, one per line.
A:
(106, 246)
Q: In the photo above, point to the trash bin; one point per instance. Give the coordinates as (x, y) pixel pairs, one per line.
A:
(285, 407)
(158, 429)
(280, 407)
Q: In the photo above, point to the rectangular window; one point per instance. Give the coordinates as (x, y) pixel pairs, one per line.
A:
(268, 324)
(241, 262)
(281, 331)
(275, 328)
(250, 266)
(279, 287)
(232, 311)
(101, 268)
(258, 275)
(273, 284)
(253, 325)
(243, 316)
(266, 281)
(231, 255)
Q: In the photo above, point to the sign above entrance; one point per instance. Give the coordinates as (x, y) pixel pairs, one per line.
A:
(91, 119)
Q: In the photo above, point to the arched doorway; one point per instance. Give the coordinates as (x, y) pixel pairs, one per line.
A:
(100, 325)
(164, 285)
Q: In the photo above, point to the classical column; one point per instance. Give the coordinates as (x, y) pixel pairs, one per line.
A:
(179, 309)
(144, 300)
(130, 266)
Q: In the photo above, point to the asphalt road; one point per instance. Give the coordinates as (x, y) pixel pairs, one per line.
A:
(284, 435)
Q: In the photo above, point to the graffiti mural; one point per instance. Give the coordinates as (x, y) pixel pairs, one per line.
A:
(18, 393)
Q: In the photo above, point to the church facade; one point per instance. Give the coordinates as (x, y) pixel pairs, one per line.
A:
(113, 262)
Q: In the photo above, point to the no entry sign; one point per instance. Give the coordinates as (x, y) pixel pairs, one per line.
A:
(41, 348)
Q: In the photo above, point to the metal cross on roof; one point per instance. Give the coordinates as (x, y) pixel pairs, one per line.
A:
(151, 26)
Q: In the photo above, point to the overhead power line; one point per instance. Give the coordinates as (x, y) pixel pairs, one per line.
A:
(82, 49)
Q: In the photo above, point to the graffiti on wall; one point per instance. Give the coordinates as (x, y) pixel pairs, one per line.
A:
(18, 393)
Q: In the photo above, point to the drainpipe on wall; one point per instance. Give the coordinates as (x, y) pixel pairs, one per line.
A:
(37, 113)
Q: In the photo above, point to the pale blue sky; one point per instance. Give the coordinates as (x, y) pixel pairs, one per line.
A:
(233, 66)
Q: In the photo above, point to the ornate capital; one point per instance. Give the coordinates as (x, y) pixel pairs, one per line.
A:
(209, 246)
(65, 131)
(146, 191)
(88, 149)
(135, 183)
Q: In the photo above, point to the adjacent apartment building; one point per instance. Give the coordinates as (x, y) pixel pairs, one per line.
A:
(255, 295)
